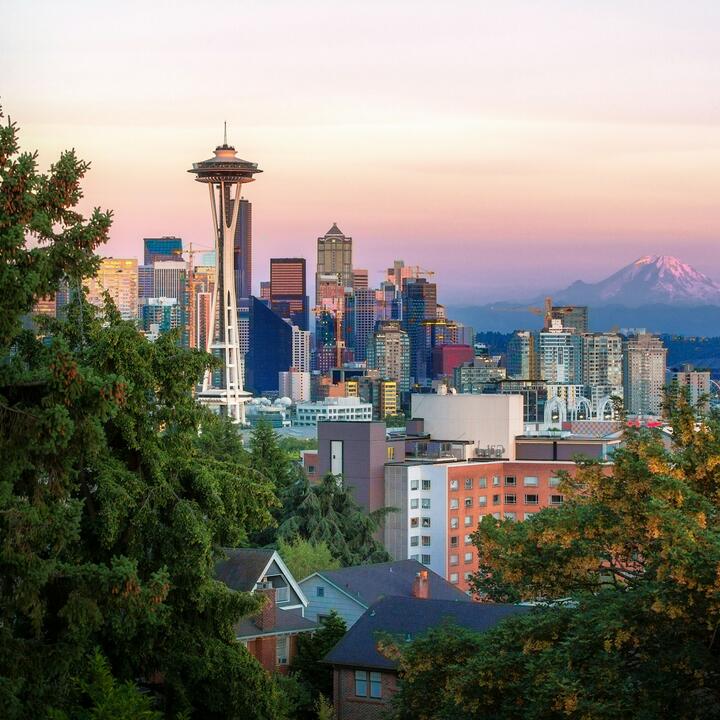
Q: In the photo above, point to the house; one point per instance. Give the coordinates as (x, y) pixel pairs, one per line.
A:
(351, 591)
(271, 635)
(364, 681)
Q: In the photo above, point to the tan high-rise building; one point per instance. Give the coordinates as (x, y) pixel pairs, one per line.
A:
(334, 257)
(119, 277)
(644, 365)
(697, 383)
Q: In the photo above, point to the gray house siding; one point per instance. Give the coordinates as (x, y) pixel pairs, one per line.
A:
(332, 599)
(276, 576)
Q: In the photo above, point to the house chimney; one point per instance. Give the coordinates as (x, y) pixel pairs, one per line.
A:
(421, 586)
(265, 619)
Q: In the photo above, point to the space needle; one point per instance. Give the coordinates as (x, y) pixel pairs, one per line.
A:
(224, 174)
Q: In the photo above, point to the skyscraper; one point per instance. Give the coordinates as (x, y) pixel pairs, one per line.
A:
(224, 174)
(697, 384)
(419, 301)
(170, 280)
(300, 349)
(288, 290)
(644, 362)
(361, 314)
(388, 352)
(334, 256)
(602, 372)
(560, 356)
(242, 251)
(119, 277)
(360, 279)
(573, 317)
(163, 248)
(270, 350)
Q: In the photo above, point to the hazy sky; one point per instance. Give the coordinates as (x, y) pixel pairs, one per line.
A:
(511, 146)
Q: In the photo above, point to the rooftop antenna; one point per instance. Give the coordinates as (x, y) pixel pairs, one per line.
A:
(225, 133)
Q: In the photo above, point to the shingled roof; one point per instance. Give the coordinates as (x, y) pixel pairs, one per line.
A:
(243, 567)
(368, 583)
(409, 617)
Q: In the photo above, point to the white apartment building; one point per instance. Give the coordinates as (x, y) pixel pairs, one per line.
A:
(295, 385)
(301, 350)
(308, 414)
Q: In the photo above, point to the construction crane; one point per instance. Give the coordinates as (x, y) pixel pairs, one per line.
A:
(192, 284)
(546, 311)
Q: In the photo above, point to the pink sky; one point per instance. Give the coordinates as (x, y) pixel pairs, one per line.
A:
(512, 146)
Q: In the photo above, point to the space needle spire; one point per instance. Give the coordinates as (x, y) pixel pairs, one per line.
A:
(224, 174)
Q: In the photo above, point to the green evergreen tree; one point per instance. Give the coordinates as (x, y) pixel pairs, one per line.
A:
(328, 513)
(303, 557)
(112, 510)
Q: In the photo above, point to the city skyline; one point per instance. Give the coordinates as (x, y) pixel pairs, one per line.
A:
(583, 133)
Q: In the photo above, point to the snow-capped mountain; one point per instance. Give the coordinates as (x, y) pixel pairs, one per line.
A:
(649, 280)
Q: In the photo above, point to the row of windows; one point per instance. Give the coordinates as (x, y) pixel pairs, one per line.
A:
(510, 481)
(455, 540)
(454, 577)
(365, 681)
(424, 559)
(416, 539)
(416, 485)
(508, 515)
(424, 503)
(467, 558)
(420, 522)
(510, 499)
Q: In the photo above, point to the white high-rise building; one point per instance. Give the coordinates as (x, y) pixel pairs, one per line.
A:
(294, 384)
(300, 349)
(169, 279)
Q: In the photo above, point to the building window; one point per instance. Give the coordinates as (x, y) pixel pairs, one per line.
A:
(391, 453)
(375, 685)
(467, 576)
(454, 503)
(311, 469)
(468, 483)
(468, 502)
(496, 481)
(453, 484)
(426, 484)
(414, 484)
(281, 650)
(454, 559)
(414, 540)
(510, 516)
(425, 559)
(453, 577)
(530, 481)
(453, 541)
(425, 503)
(282, 594)
(468, 520)
(510, 481)
(361, 683)
(510, 498)
(532, 499)
(554, 481)
(415, 557)
(426, 522)
(482, 500)
(454, 523)
(320, 591)
(468, 557)
(496, 499)
(414, 504)
(529, 515)
(414, 522)
(426, 541)
(556, 499)
(468, 539)
(482, 482)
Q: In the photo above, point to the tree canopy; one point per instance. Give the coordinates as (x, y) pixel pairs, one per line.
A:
(113, 509)
(634, 556)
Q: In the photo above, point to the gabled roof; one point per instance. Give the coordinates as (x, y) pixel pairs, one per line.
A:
(367, 584)
(409, 617)
(244, 568)
(286, 621)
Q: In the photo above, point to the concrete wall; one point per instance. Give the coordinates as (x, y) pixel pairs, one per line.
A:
(486, 420)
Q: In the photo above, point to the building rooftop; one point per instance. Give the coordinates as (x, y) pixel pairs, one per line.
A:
(370, 583)
(243, 567)
(286, 621)
(408, 617)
